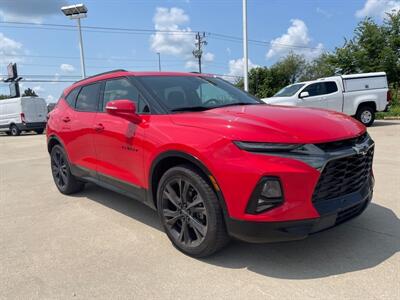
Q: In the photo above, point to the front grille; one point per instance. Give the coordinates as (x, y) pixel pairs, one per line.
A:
(343, 176)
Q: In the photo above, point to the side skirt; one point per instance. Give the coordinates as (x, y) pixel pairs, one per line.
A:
(111, 183)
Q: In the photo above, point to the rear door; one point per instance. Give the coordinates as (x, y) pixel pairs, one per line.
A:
(34, 109)
(78, 128)
(316, 98)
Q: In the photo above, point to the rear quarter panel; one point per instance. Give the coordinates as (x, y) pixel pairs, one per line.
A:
(352, 100)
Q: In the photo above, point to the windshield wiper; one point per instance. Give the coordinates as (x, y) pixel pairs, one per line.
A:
(236, 103)
(191, 108)
(203, 108)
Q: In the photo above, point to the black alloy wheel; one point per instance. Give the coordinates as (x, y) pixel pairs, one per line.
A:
(190, 212)
(59, 168)
(64, 180)
(184, 212)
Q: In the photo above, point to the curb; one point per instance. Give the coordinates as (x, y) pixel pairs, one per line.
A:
(392, 118)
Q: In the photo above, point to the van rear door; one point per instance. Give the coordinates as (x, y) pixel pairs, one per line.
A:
(34, 109)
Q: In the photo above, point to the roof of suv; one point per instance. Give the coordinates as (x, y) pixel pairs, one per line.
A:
(119, 73)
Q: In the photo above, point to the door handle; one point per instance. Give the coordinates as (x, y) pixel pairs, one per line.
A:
(66, 119)
(99, 127)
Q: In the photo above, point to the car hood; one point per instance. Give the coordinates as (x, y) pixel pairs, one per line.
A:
(279, 100)
(266, 123)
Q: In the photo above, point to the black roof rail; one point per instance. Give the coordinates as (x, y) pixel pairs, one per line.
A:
(104, 73)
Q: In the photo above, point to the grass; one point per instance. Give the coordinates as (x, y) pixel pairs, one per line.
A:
(394, 111)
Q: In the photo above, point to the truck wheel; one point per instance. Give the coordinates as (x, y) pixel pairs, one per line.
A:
(39, 131)
(366, 115)
(190, 212)
(14, 130)
(8, 132)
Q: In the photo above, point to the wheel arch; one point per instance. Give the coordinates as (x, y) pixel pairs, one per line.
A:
(371, 104)
(169, 159)
(52, 141)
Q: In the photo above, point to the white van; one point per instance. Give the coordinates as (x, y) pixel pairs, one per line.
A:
(358, 95)
(23, 114)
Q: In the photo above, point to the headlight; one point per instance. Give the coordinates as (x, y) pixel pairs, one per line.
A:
(266, 147)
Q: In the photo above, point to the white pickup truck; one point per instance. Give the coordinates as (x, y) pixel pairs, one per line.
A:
(358, 95)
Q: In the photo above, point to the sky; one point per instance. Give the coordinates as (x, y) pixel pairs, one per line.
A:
(147, 27)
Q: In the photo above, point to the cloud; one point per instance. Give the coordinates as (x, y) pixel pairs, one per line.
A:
(180, 42)
(297, 40)
(9, 50)
(192, 62)
(30, 10)
(323, 12)
(377, 8)
(67, 68)
(236, 69)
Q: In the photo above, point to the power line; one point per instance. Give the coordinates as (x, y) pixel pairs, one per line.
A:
(90, 58)
(213, 35)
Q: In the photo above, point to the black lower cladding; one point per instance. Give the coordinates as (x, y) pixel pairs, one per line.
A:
(332, 212)
(31, 126)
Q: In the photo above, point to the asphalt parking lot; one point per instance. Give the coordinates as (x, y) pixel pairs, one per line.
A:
(100, 244)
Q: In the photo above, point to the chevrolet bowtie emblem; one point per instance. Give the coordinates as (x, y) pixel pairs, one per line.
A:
(361, 150)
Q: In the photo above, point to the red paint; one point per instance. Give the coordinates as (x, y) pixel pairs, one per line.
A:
(126, 150)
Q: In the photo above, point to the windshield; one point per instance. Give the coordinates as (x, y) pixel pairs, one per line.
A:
(289, 90)
(195, 93)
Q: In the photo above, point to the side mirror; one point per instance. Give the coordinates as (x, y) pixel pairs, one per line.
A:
(125, 109)
(304, 95)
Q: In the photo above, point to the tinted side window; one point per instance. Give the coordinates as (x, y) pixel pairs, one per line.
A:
(315, 89)
(88, 98)
(72, 97)
(330, 87)
(119, 89)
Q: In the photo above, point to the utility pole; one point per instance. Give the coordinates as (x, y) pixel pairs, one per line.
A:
(198, 52)
(245, 49)
(159, 61)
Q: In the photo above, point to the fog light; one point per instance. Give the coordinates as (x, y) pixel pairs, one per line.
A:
(267, 195)
(271, 189)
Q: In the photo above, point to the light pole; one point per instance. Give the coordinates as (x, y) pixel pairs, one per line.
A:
(245, 48)
(159, 61)
(77, 11)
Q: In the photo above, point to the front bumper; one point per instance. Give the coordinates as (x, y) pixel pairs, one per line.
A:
(387, 108)
(332, 212)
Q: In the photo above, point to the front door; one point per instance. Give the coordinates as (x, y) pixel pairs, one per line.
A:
(316, 98)
(119, 142)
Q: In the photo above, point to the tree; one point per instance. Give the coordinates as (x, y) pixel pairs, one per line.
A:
(290, 68)
(29, 93)
(322, 66)
(4, 97)
(265, 82)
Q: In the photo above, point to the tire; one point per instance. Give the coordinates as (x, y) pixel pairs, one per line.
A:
(66, 182)
(39, 131)
(192, 219)
(8, 132)
(14, 131)
(366, 115)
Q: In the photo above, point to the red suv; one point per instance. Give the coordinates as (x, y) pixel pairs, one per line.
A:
(214, 161)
